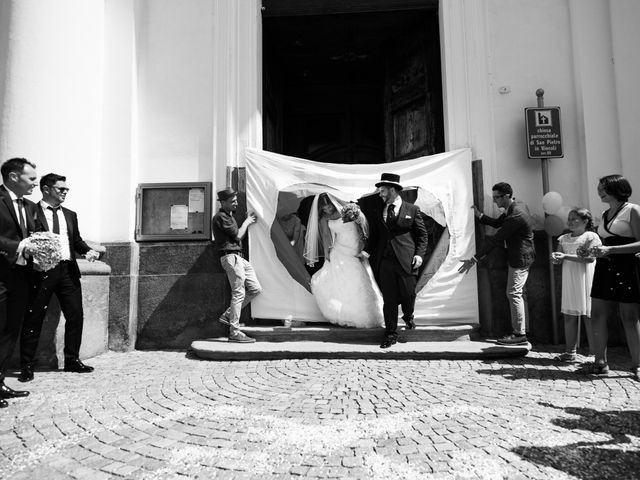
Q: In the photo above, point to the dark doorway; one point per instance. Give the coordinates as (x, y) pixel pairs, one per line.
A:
(352, 86)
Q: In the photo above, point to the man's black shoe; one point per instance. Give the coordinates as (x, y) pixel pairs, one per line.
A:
(6, 392)
(410, 324)
(77, 366)
(26, 374)
(388, 342)
(3, 403)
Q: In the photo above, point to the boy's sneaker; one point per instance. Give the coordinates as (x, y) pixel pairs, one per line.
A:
(226, 321)
(567, 357)
(239, 337)
(513, 339)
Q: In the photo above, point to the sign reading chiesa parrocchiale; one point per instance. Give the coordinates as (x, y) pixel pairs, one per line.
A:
(544, 139)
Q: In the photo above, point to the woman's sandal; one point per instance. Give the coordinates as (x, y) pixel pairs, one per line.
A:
(592, 368)
(565, 357)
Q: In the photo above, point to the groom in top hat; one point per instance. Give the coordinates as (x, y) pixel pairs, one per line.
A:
(397, 245)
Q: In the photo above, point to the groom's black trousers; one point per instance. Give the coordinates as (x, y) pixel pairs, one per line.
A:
(398, 288)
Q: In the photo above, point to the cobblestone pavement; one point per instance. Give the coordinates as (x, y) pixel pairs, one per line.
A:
(155, 415)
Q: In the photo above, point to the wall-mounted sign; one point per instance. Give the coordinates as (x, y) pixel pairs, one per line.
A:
(544, 139)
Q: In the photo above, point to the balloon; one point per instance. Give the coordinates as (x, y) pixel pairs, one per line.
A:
(563, 214)
(553, 225)
(551, 202)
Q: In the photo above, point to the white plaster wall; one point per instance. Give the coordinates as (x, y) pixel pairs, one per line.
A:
(119, 168)
(163, 94)
(583, 53)
(52, 97)
(625, 18)
(175, 77)
(530, 48)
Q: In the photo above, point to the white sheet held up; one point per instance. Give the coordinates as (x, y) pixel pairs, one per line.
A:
(277, 186)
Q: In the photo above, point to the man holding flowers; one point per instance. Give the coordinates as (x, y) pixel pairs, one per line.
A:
(16, 223)
(56, 272)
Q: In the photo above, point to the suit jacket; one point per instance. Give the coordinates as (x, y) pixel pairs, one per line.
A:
(76, 243)
(516, 231)
(10, 231)
(407, 236)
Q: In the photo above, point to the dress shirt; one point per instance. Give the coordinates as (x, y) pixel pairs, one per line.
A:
(21, 260)
(396, 208)
(64, 237)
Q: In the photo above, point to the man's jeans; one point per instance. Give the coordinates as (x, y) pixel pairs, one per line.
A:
(244, 286)
(516, 279)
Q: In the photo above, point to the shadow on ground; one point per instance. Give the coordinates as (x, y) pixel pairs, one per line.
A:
(617, 457)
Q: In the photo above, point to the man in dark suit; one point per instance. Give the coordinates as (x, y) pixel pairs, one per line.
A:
(63, 280)
(397, 245)
(16, 223)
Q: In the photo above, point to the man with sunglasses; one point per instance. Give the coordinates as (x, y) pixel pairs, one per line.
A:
(515, 231)
(63, 280)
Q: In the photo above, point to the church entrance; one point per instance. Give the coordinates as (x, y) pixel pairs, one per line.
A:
(352, 82)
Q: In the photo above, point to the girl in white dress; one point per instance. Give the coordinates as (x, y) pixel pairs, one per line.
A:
(577, 277)
(344, 288)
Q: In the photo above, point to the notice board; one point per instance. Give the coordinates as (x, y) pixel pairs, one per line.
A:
(173, 211)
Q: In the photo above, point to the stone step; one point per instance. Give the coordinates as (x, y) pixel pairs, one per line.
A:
(221, 349)
(324, 332)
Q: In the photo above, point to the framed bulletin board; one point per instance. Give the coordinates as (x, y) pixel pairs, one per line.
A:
(173, 211)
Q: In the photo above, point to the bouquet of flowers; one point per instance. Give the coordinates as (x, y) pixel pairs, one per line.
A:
(350, 213)
(46, 249)
(586, 250)
(583, 251)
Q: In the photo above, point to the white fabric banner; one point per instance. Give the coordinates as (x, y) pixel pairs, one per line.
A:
(441, 186)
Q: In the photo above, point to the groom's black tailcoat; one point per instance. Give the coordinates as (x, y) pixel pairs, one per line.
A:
(391, 249)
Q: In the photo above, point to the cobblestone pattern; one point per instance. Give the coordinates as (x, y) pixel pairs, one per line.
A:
(157, 415)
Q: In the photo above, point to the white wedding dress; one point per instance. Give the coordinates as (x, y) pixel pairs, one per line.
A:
(344, 288)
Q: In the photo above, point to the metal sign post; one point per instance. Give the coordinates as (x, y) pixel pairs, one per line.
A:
(544, 141)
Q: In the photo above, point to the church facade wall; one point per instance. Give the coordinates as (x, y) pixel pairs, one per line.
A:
(163, 91)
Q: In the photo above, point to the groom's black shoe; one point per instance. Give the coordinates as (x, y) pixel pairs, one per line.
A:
(388, 341)
(410, 324)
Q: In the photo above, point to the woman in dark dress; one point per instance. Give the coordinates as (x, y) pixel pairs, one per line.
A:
(616, 282)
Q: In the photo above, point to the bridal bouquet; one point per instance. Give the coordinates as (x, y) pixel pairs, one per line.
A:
(350, 213)
(46, 249)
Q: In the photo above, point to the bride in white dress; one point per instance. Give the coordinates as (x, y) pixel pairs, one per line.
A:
(344, 288)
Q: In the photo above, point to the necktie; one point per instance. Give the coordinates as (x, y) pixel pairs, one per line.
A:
(23, 224)
(56, 222)
(390, 215)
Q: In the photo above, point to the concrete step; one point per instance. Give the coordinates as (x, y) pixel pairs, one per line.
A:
(324, 332)
(221, 349)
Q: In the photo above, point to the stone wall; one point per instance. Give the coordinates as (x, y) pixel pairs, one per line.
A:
(182, 290)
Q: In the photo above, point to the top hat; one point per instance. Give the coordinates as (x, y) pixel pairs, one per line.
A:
(390, 180)
(226, 194)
